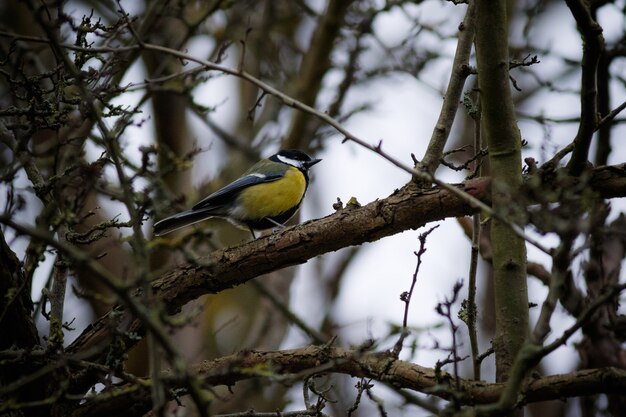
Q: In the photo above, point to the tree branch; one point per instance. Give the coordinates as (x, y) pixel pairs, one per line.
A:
(295, 364)
(315, 63)
(593, 45)
(459, 73)
(502, 137)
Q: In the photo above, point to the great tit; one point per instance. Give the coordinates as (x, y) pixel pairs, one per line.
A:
(266, 196)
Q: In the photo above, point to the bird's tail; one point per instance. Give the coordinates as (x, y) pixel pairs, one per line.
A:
(179, 220)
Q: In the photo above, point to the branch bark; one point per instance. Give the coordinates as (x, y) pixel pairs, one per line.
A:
(504, 143)
(295, 364)
(593, 44)
(458, 75)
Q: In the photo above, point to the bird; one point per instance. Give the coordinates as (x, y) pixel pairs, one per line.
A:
(264, 197)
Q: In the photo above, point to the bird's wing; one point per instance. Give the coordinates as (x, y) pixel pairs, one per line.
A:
(225, 194)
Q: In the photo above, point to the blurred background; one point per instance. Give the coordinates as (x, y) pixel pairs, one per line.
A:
(381, 68)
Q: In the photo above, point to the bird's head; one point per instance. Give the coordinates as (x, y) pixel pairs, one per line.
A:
(294, 158)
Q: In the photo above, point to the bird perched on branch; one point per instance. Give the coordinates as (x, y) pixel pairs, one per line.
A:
(266, 196)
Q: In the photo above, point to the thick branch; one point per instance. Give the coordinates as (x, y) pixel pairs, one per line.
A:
(296, 364)
(504, 143)
(408, 208)
(593, 44)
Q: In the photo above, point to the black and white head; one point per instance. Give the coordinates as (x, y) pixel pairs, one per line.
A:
(295, 158)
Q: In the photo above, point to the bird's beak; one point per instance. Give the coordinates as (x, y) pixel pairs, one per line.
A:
(312, 162)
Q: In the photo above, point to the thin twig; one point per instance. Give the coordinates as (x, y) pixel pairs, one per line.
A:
(445, 310)
(406, 296)
(611, 115)
(471, 307)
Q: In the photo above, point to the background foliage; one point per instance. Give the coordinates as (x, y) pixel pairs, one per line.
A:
(114, 114)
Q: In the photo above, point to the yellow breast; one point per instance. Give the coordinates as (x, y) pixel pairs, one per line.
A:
(273, 198)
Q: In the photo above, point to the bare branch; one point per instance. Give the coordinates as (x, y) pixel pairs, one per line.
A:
(459, 73)
(283, 365)
(593, 47)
